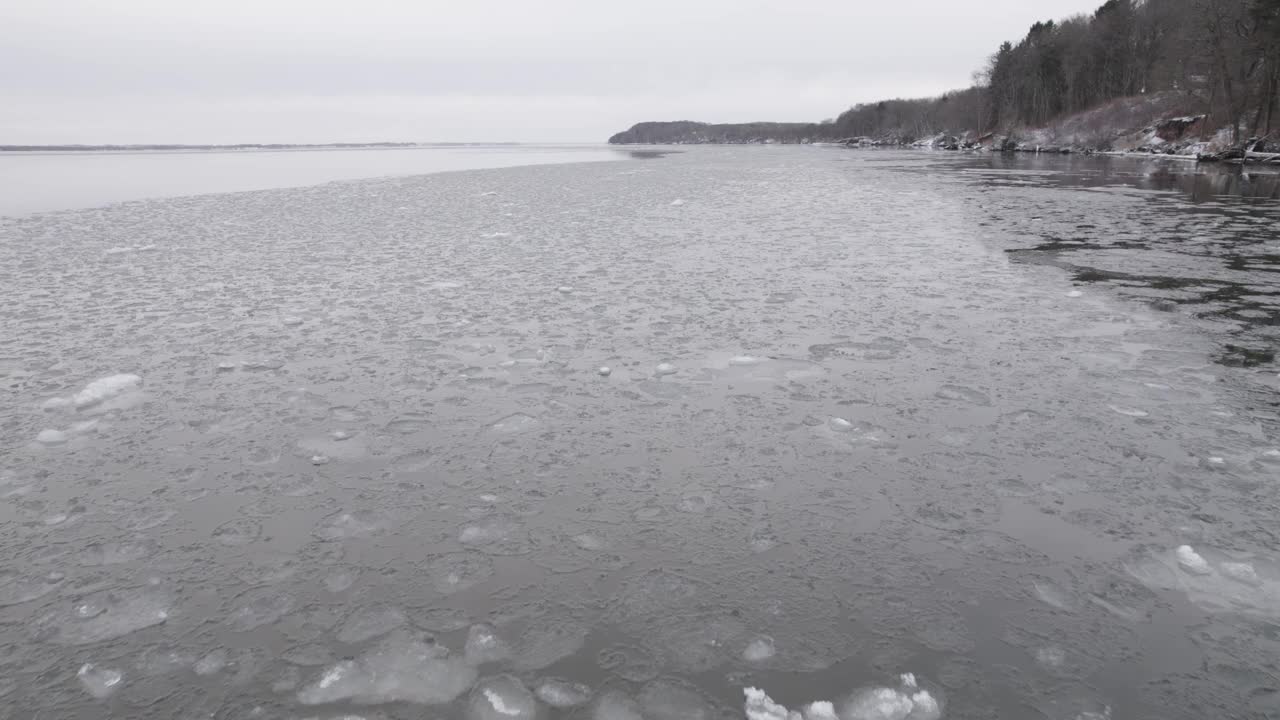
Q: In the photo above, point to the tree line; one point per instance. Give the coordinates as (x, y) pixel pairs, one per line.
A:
(1217, 58)
(1220, 58)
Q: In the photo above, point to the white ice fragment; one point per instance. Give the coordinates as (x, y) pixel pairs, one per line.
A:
(1075, 294)
(99, 682)
(49, 436)
(664, 369)
(604, 370)
(104, 389)
(1128, 411)
(319, 459)
(840, 424)
(760, 706)
(55, 403)
(877, 704)
(502, 698)
(564, 289)
(820, 710)
(1191, 561)
(1215, 460)
(909, 680)
(400, 669)
(1241, 572)
(291, 321)
(211, 663)
(926, 707)
(484, 645)
(1051, 656)
(562, 693)
(759, 649)
(340, 435)
(677, 202)
(744, 360)
(227, 366)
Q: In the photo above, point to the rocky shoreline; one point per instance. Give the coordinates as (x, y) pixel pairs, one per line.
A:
(1183, 137)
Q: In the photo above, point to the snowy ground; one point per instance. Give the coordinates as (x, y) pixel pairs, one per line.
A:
(545, 442)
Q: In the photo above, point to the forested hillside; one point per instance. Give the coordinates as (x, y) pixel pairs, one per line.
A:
(1218, 58)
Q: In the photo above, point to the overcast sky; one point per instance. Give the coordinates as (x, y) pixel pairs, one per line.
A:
(133, 71)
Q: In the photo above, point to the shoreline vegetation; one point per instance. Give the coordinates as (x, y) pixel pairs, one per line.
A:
(1195, 79)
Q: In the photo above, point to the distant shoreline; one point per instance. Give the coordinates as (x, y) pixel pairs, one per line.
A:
(157, 147)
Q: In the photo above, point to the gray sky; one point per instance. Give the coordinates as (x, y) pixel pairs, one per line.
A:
(472, 70)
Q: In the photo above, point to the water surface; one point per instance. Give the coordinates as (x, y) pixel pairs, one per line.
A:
(798, 419)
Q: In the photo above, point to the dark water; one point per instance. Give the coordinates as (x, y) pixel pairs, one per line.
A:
(997, 423)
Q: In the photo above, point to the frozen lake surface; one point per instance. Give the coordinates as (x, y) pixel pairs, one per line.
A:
(865, 435)
(44, 181)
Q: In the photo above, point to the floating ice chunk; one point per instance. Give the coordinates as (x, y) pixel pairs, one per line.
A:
(502, 698)
(820, 710)
(1128, 411)
(49, 436)
(759, 649)
(547, 642)
(227, 366)
(1075, 294)
(1215, 460)
(515, 424)
(1190, 560)
(484, 645)
(616, 705)
(604, 370)
(1051, 656)
(744, 360)
(16, 589)
(99, 682)
(561, 693)
(455, 572)
(564, 289)
(840, 424)
(909, 680)
(107, 615)
(259, 611)
(340, 580)
(104, 389)
(319, 459)
(877, 704)
(55, 403)
(371, 622)
(400, 669)
(212, 663)
(677, 202)
(664, 369)
(760, 706)
(344, 525)
(291, 321)
(926, 706)
(1241, 572)
(664, 699)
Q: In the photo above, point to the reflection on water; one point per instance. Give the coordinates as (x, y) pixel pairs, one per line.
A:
(1198, 238)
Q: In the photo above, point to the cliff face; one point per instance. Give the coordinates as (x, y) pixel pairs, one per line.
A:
(687, 132)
